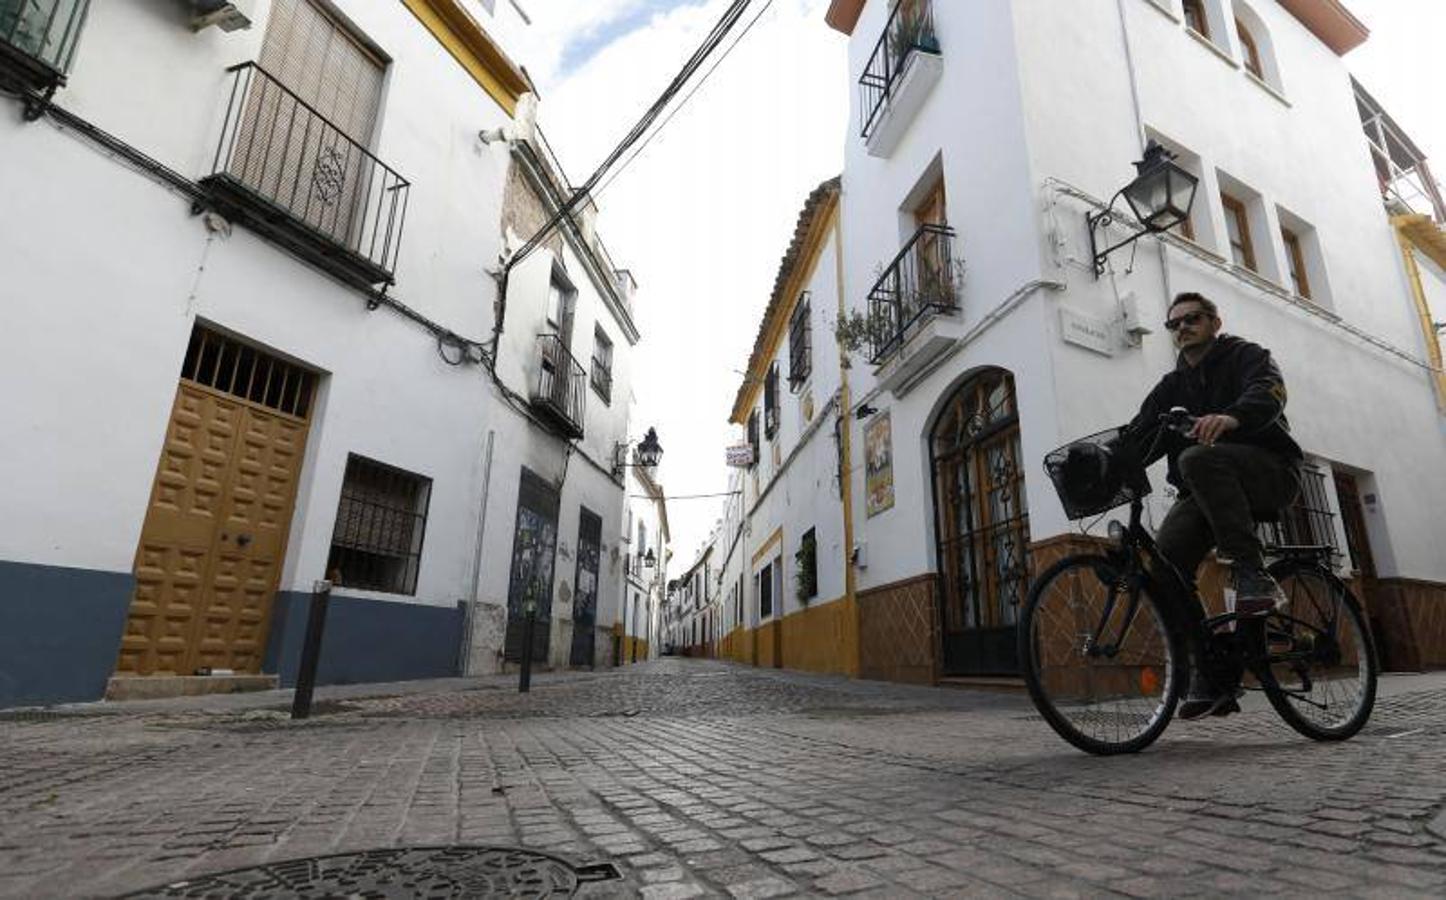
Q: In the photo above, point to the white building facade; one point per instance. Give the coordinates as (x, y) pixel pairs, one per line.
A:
(980, 336)
(278, 247)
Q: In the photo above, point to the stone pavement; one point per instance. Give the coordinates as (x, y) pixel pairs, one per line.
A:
(700, 778)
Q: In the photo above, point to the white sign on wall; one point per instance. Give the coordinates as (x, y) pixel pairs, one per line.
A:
(740, 456)
(1086, 331)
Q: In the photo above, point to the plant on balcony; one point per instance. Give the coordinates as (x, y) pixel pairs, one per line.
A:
(857, 331)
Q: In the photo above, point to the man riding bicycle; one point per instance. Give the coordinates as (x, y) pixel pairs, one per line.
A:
(1238, 460)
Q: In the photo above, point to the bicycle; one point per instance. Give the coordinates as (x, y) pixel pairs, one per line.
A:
(1106, 646)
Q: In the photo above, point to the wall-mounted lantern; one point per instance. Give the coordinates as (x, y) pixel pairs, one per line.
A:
(1160, 197)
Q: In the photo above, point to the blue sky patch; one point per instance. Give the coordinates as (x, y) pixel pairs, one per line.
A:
(584, 47)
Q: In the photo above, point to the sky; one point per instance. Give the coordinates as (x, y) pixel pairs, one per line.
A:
(704, 214)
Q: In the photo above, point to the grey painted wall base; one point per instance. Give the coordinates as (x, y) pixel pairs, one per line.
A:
(365, 640)
(60, 631)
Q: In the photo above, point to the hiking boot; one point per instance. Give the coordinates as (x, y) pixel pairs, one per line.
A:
(1256, 593)
(1205, 699)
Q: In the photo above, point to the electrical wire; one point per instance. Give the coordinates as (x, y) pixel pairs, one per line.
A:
(684, 102)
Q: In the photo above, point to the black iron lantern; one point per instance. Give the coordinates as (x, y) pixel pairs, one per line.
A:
(650, 559)
(1160, 196)
(650, 452)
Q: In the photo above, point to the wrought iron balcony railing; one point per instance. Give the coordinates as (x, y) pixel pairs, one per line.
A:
(910, 28)
(920, 282)
(38, 40)
(560, 391)
(302, 181)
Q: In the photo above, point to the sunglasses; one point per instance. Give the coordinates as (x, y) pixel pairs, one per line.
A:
(1189, 318)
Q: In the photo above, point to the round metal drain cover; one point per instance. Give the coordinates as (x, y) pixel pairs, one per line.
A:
(430, 872)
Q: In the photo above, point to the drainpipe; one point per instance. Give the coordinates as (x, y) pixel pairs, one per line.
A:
(845, 410)
(469, 617)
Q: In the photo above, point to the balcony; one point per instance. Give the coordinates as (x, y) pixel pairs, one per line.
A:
(1407, 184)
(285, 171)
(903, 69)
(38, 40)
(560, 392)
(919, 284)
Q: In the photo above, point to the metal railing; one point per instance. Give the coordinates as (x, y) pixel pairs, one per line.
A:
(561, 383)
(1401, 168)
(918, 283)
(278, 151)
(910, 28)
(45, 31)
(1308, 521)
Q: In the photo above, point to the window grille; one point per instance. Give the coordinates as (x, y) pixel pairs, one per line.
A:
(753, 436)
(602, 365)
(227, 365)
(770, 402)
(1309, 521)
(380, 522)
(800, 344)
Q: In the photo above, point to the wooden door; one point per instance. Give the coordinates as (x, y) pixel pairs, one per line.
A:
(584, 604)
(214, 536)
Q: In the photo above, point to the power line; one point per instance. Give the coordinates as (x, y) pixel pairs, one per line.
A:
(684, 102)
(685, 496)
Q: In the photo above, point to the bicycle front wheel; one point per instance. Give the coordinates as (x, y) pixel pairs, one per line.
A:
(1100, 660)
(1322, 664)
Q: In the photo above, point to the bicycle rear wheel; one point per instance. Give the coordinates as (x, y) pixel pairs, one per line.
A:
(1322, 664)
(1100, 660)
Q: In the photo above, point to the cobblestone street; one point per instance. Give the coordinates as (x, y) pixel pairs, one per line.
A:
(698, 778)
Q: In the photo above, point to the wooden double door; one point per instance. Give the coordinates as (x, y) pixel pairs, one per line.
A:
(214, 536)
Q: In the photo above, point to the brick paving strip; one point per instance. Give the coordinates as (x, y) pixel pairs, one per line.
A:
(701, 779)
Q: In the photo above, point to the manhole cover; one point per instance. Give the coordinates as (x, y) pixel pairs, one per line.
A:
(431, 872)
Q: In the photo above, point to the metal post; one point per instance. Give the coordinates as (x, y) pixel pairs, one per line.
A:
(529, 619)
(311, 650)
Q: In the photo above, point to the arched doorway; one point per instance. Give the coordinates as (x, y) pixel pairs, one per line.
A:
(981, 521)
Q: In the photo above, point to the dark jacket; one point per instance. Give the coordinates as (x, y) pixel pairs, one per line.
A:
(1236, 378)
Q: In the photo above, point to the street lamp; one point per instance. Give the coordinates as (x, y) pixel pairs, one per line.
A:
(650, 559)
(1160, 196)
(648, 454)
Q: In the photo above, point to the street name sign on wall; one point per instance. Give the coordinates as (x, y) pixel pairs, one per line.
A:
(741, 456)
(1086, 331)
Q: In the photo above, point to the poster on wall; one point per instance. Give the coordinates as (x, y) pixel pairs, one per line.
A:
(879, 463)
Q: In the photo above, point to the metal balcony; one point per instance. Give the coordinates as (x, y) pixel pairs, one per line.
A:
(38, 40)
(560, 391)
(905, 64)
(919, 283)
(284, 170)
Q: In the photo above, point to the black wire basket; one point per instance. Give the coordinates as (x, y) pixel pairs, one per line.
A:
(1095, 474)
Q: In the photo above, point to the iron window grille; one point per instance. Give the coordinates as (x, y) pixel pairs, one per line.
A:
(1309, 521)
(910, 28)
(602, 366)
(770, 402)
(753, 441)
(917, 284)
(227, 365)
(806, 572)
(294, 176)
(38, 40)
(380, 522)
(800, 344)
(561, 387)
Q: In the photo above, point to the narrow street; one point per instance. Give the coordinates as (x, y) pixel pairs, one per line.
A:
(702, 778)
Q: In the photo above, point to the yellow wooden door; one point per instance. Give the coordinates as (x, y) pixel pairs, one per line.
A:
(214, 536)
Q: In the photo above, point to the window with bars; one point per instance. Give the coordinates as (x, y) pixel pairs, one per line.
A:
(602, 365)
(380, 522)
(227, 365)
(800, 344)
(770, 402)
(753, 441)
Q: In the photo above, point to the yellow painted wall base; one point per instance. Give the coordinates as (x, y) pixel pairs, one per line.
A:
(824, 637)
(633, 649)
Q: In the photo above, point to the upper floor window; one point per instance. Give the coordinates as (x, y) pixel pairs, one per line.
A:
(1295, 263)
(1237, 226)
(770, 401)
(602, 364)
(753, 441)
(1196, 18)
(1250, 50)
(800, 344)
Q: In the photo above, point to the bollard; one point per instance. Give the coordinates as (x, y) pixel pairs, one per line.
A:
(311, 650)
(529, 618)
